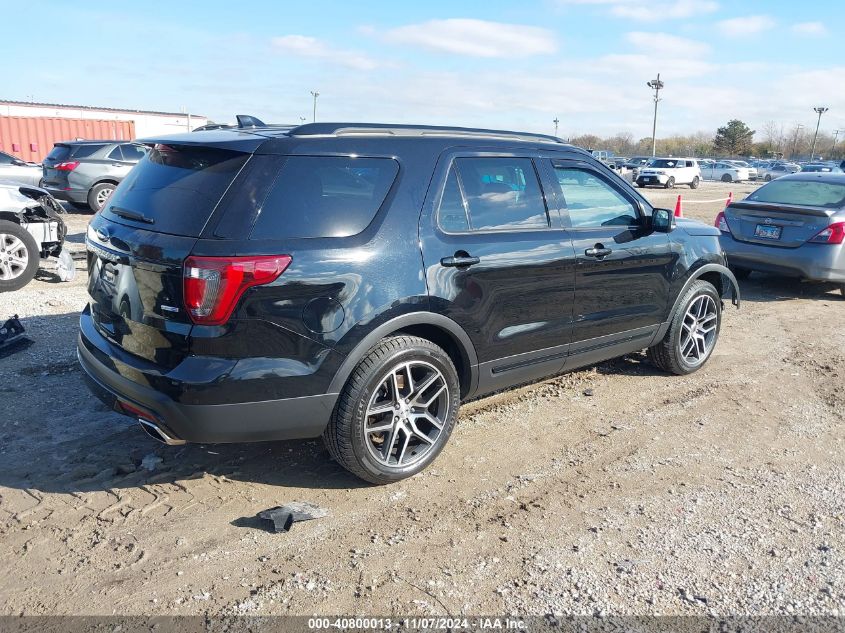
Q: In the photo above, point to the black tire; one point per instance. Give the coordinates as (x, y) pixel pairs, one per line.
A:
(768, 178)
(666, 355)
(695, 182)
(670, 184)
(98, 194)
(345, 436)
(741, 273)
(20, 276)
(726, 178)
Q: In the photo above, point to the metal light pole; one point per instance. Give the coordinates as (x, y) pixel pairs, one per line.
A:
(820, 112)
(315, 94)
(657, 86)
(795, 140)
(556, 121)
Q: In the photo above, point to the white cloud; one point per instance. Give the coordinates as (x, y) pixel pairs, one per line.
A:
(476, 38)
(651, 10)
(304, 46)
(809, 28)
(665, 45)
(748, 25)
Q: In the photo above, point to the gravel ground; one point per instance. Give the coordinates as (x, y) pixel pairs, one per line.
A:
(614, 490)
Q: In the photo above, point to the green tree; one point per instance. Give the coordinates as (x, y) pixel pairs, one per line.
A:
(734, 139)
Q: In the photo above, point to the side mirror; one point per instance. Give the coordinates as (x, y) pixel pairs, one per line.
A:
(662, 221)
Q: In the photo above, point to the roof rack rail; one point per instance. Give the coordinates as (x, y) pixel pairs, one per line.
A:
(379, 129)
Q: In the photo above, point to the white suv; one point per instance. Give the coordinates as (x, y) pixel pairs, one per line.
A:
(668, 172)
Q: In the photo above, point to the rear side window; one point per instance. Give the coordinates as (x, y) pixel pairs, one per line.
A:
(324, 196)
(132, 152)
(175, 188)
(498, 194)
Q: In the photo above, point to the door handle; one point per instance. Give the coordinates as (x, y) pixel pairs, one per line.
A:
(598, 251)
(459, 261)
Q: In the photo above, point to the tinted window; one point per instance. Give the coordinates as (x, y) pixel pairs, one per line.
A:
(132, 153)
(592, 202)
(501, 193)
(324, 196)
(176, 187)
(664, 163)
(116, 154)
(813, 193)
(452, 214)
(58, 153)
(83, 151)
(5, 159)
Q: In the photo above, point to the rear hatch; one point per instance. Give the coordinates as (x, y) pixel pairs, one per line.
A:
(785, 213)
(137, 245)
(63, 159)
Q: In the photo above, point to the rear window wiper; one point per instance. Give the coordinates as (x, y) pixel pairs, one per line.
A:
(132, 215)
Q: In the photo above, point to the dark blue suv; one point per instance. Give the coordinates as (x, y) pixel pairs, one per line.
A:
(359, 281)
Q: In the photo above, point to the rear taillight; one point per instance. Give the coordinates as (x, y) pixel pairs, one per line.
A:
(69, 165)
(213, 285)
(833, 234)
(721, 223)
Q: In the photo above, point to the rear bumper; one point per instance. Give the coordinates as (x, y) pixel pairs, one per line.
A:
(287, 418)
(816, 262)
(69, 195)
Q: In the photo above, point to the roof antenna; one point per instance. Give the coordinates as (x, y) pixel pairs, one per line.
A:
(247, 120)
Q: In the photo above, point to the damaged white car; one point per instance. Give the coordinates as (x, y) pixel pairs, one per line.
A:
(31, 228)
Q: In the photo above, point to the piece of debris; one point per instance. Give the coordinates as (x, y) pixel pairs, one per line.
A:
(12, 337)
(283, 517)
(151, 461)
(588, 392)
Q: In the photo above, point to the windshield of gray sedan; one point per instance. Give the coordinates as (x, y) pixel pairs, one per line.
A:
(802, 192)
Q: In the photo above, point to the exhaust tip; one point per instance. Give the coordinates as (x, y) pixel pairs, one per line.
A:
(156, 433)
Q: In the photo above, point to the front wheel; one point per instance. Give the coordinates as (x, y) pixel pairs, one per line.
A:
(19, 256)
(693, 332)
(670, 184)
(695, 182)
(396, 412)
(768, 178)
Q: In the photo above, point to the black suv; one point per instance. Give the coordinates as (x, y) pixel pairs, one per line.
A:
(359, 281)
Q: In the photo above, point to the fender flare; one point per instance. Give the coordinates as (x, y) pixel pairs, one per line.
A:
(709, 268)
(464, 344)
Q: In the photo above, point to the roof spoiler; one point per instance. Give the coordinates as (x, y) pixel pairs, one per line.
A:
(247, 120)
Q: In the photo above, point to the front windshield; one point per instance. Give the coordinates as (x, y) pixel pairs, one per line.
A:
(663, 163)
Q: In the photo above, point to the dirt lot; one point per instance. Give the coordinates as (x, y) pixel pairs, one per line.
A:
(718, 493)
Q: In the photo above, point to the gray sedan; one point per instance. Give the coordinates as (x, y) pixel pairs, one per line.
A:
(13, 170)
(793, 226)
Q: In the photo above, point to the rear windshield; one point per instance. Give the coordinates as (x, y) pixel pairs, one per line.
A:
(59, 153)
(175, 188)
(324, 196)
(83, 151)
(801, 192)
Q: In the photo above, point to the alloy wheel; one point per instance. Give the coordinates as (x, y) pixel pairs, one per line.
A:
(699, 329)
(14, 257)
(102, 196)
(406, 414)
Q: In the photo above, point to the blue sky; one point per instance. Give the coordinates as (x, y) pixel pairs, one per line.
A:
(514, 65)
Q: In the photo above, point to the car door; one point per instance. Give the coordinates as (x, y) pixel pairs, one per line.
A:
(624, 269)
(118, 165)
(499, 263)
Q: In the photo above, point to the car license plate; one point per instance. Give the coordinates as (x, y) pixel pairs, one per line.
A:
(768, 231)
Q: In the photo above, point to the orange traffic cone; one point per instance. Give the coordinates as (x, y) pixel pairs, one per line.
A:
(678, 212)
